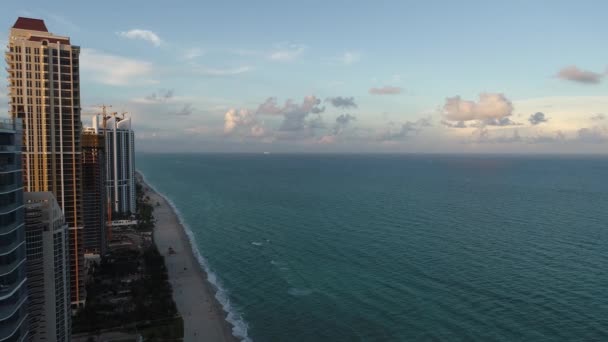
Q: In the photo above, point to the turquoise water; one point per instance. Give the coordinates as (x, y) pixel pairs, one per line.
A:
(399, 248)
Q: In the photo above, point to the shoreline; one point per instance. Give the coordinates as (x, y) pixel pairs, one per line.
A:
(195, 297)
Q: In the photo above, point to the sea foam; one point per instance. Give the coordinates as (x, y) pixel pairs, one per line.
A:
(239, 326)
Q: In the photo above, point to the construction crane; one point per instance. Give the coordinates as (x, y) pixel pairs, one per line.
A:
(104, 115)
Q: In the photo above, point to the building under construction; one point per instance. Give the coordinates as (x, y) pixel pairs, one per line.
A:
(93, 196)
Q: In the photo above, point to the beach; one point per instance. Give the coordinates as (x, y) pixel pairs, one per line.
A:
(204, 318)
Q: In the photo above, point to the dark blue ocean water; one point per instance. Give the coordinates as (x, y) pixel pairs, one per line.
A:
(399, 248)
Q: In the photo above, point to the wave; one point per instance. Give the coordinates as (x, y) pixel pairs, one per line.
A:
(239, 326)
(299, 292)
(255, 243)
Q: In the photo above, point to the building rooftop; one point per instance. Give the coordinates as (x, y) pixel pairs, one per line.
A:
(30, 24)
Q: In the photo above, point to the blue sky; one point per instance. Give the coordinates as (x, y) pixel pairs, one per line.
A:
(340, 76)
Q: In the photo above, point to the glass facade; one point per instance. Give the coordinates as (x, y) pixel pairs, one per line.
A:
(13, 282)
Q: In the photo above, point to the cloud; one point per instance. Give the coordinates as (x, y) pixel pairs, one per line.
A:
(342, 122)
(489, 106)
(185, 110)
(327, 139)
(146, 35)
(200, 130)
(482, 135)
(573, 73)
(498, 122)
(598, 117)
(286, 52)
(222, 72)
(295, 116)
(298, 120)
(269, 107)
(193, 53)
(114, 70)
(405, 130)
(537, 118)
(163, 95)
(595, 135)
(342, 102)
(386, 90)
(559, 136)
(242, 122)
(457, 124)
(347, 58)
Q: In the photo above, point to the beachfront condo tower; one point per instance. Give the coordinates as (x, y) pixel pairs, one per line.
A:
(120, 164)
(93, 190)
(47, 268)
(13, 282)
(43, 71)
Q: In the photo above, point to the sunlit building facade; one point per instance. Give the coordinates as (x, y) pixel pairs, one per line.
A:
(44, 91)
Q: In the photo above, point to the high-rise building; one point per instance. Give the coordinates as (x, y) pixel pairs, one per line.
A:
(47, 268)
(13, 282)
(43, 71)
(93, 185)
(120, 164)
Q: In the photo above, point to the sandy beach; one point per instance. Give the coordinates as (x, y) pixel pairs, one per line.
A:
(204, 318)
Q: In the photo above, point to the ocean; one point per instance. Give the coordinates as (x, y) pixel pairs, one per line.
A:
(398, 247)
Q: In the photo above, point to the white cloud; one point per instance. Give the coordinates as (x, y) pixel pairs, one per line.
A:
(222, 71)
(489, 106)
(347, 58)
(283, 52)
(114, 70)
(350, 57)
(244, 122)
(193, 53)
(286, 52)
(146, 35)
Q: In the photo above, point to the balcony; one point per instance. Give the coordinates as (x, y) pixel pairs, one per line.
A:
(11, 282)
(10, 207)
(7, 269)
(5, 229)
(9, 125)
(10, 297)
(6, 188)
(15, 326)
(12, 167)
(9, 247)
(8, 149)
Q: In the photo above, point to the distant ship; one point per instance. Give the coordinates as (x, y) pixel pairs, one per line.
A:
(266, 152)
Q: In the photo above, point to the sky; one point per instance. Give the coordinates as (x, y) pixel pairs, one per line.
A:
(342, 76)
